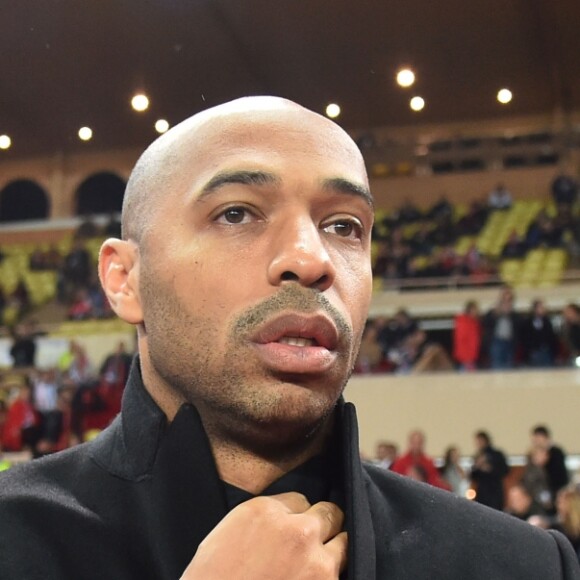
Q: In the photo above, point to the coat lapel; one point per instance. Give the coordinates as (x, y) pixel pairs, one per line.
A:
(361, 537)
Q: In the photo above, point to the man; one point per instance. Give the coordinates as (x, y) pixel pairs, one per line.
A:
(245, 265)
(554, 465)
(501, 331)
(416, 457)
(488, 472)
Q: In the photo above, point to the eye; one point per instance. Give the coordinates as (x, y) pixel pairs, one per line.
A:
(345, 228)
(235, 215)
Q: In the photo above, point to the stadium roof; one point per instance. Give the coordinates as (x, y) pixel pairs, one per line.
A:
(68, 63)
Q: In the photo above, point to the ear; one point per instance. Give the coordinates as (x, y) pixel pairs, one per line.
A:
(119, 275)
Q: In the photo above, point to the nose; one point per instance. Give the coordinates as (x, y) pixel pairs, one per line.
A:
(299, 255)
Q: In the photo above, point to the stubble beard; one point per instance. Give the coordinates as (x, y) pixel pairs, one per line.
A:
(239, 401)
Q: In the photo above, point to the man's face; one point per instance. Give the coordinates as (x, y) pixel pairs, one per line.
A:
(416, 442)
(255, 279)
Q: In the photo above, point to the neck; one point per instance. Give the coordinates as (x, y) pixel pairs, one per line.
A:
(253, 470)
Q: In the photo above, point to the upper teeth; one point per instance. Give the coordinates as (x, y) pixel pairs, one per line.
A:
(295, 341)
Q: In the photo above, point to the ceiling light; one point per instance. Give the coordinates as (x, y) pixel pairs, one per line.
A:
(417, 103)
(504, 96)
(5, 142)
(140, 102)
(333, 110)
(405, 77)
(161, 125)
(85, 133)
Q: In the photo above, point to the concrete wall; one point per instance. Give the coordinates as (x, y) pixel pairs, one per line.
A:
(450, 407)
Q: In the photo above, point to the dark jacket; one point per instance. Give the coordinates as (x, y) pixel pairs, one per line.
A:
(136, 502)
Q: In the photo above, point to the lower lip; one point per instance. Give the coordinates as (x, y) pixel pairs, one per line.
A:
(286, 358)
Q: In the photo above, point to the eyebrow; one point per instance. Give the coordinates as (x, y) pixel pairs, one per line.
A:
(261, 178)
(348, 187)
(243, 177)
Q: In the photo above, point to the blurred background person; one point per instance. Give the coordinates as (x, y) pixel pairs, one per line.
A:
(416, 456)
(467, 333)
(386, 454)
(521, 504)
(452, 472)
(538, 339)
(501, 328)
(554, 464)
(488, 472)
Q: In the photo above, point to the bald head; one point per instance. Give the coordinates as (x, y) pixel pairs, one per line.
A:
(166, 167)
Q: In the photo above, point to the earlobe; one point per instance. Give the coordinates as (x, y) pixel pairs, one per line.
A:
(119, 275)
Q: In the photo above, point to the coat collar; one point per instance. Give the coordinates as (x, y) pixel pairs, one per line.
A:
(176, 458)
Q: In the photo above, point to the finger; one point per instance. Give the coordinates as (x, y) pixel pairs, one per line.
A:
(330, 519)
(294, 502)
(337, 549)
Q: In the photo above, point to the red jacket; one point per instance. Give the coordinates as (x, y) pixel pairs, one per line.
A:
(20, 414)
(405, 462)
(466, 339)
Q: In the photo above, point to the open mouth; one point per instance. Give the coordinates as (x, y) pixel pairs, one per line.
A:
(297, 341)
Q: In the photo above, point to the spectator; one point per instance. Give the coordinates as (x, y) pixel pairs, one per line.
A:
(473, 221)
(421, 244)
(515, 247)
(37, 260)
(115, 368)
(564, 190)
(453, 473)
(76, 269)
(488, 472)
(539, 341)
(416, 456)
(400, 252)
(501, 331)
(22, 421)
(499, 198)
(386, 454)
(113, 227)
(23, 349)
(467, 334)
(568, 518)
(370, 355)
(409, 213)
(555, 462)
(535, 479)
(45, 397)
(81, 307)
(87, 229)
(521, 504)
(442, 209)
(382, 259)
(571, 331)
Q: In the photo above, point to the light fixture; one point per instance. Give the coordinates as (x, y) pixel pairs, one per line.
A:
(5, 142)
(85, 133)
(417, 103)
(504, 96)
(161, 125)
(333, 110)
(405, 77)
(140, 102)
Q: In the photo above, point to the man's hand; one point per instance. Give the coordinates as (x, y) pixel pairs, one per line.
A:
(274, 538)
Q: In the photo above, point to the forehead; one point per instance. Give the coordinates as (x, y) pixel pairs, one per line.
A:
(280, 141)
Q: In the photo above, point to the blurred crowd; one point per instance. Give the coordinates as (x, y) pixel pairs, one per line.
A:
(500, 338)
(77, 283)
(47, 410)
(540, 492)
(411, 243)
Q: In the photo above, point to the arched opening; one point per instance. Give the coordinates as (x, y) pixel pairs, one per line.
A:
(100, 193)
(23, 199)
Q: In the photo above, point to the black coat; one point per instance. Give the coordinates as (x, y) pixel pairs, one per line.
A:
(136, 502)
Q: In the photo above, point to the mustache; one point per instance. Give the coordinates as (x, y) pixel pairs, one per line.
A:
(291, 297)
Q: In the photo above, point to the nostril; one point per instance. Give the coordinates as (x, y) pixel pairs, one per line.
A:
(289, 276)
